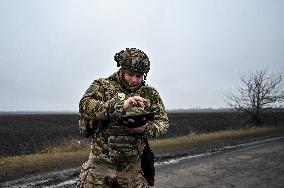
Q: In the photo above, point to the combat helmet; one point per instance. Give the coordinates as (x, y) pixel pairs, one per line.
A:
(133, 59)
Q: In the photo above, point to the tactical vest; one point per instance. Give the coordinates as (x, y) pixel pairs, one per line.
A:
(110, 142)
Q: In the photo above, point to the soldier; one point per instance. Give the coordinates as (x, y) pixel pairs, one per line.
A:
(114, 160)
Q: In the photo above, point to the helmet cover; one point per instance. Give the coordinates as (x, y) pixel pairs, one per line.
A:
(133, 59)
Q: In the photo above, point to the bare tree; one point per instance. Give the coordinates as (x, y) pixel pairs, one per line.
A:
(257, 91)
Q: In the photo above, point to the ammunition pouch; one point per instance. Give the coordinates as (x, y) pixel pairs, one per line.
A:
(123, 149)
(147, 164)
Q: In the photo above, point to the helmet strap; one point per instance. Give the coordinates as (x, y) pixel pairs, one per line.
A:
(145, 76)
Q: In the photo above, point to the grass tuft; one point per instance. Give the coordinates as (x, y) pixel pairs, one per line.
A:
(71, 145)
(193, 138)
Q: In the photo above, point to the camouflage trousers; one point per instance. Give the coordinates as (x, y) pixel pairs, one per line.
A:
(94, 174)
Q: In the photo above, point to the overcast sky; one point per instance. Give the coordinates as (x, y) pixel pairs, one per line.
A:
(52, 50)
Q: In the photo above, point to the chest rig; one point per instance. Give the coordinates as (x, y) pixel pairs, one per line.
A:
(113, 141)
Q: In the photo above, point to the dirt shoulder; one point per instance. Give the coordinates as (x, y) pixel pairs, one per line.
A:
(212, 145)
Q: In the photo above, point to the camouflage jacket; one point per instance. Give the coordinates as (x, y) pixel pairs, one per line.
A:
(103, 102)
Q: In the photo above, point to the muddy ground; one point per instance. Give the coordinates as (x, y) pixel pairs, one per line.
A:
(32, 133)
(254, 164)
(64, 173)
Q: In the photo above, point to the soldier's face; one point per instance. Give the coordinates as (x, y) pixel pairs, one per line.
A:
(133, 78)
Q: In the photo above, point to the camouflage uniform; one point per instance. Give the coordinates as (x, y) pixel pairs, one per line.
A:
(114, 160)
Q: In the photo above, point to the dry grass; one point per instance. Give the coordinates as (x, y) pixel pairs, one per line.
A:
(69, 154)
(71, 145)
(19, 166)
(193, 138)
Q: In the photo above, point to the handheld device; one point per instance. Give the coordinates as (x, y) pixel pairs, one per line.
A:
(136, 120)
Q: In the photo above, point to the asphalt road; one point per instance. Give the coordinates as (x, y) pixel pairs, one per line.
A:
(261, 165)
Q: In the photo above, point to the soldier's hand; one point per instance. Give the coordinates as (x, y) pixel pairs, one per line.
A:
(137, 130)
(134, 101)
